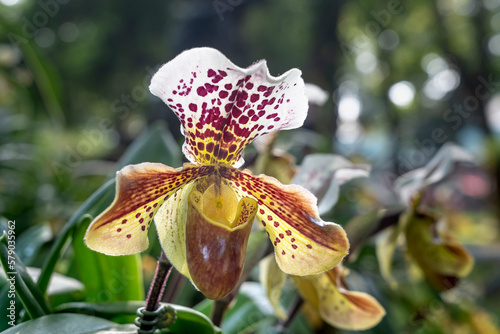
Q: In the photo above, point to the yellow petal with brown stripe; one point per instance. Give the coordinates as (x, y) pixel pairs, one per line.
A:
(341, 308)
(140, 191)
(304, 244)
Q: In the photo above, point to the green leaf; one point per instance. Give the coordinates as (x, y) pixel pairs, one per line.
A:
(62, 240)
(156, 144)
(62, 324)
(188, 320)
(31, 240)
(29, 294)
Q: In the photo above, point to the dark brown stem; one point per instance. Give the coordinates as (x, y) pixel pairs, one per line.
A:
(218, 310)
(175, 285)
(163, 269)
(292, 312)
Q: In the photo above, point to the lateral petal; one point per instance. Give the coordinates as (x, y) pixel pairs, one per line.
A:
(140, 191)
(341, 308)
(303, 243)
(223, 107)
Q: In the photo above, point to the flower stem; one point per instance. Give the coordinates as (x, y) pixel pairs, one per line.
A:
(155, 293)
(220, 306)
(292, 312)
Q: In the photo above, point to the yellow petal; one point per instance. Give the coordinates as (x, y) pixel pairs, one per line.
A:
(140, 191)
(170, 224)
(272, 279)
(442, 261)
(215, 249)
(304, 244)
(339, 307)
(385, 248)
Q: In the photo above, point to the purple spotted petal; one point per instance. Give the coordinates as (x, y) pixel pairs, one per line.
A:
(223, 107)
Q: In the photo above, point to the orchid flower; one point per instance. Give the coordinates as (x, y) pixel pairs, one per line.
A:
(441, 259)
(327, 292)
(204, 211)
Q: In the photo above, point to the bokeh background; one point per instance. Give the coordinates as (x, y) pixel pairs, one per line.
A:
(402, 77)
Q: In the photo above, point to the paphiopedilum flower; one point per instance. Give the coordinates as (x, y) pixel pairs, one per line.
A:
(442, 259)
(204, 211)
(326, 292)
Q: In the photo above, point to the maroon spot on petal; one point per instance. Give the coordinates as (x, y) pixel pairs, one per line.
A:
(155, 205)
(211, 73)
(282, 235)
(119, 230)
(269, 217)
(288, 232)
(283, 253)
(193, 107)
(292, 240)
(249, 85)
(276, 224)
(227, 137)
(261, 211)
(263, 196)
(228, 86)
(294, 246)
(261, 88)
(232, 148)
(141, 220)
(254, 97)
(138, 215)
(243, 119)
(200, 146)
(309, 246)
(129, 236)
(201, 91)
(223, 94)
(124, 221)
(263, 223)
(143, 227)
(210, 147)
(293, 256)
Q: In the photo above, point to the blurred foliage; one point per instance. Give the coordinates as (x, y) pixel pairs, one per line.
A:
(405, 78)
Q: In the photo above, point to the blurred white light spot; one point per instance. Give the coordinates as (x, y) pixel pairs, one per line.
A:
(348, 132)
(366, 62)
(349, 108)
(402, 93)
(442, 83)
(45, 37)
(68, 32)
(494, 45)
(433, 64)
(9, 2)
(315, 94)
(493, 113)
(388, 39)
(465, 8)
